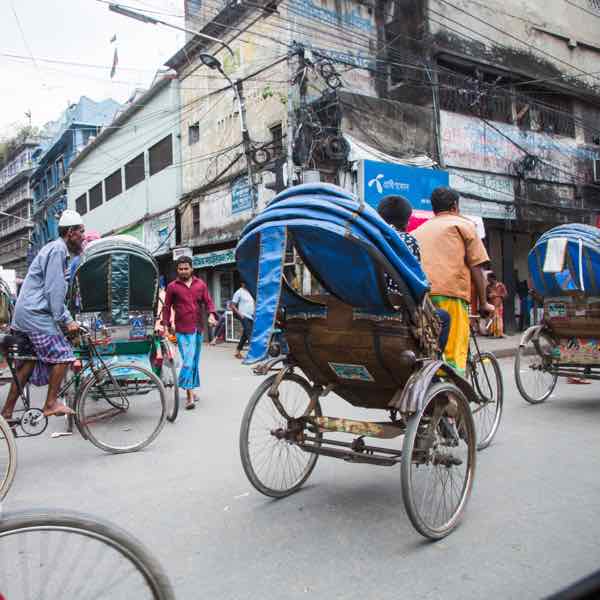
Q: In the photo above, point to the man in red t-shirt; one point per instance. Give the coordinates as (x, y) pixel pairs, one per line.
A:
(187, 295)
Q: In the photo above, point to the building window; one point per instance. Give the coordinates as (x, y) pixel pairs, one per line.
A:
(96, 196)
(196, 219)
(160, 155)
(113, 185)
(49, 180)
(277, 137)
(60, 168)
(134, 171)
(543, 110)
(470, 90)
(81, 204)
(194, 133)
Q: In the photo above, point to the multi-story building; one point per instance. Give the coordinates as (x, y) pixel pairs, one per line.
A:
(500, 97)
(15, 206)
(70, 134)
(127, 180)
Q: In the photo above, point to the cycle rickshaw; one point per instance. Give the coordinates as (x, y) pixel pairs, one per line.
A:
(564, 265)
(119, 401)
(374, 350)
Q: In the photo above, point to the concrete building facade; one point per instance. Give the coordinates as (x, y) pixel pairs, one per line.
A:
(16, 200)
(68, 136)
(128, 179)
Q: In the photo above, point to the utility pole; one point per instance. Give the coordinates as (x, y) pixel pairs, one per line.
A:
(239, 91)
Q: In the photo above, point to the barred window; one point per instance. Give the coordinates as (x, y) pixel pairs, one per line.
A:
(134, 171)
(113, 185)
(96, 196)
(196, 219)
(81, 204)
(161, 155)
(194, 133)
(543, 110)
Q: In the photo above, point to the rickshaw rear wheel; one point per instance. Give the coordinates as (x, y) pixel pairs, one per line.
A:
(275, 466)
(438, 461)
(486, 378)
(534, 382)
(169, 379)
(123, 409)
(8, 458)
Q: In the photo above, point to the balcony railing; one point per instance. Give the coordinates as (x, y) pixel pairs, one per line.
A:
(15, 250)
(14, 198)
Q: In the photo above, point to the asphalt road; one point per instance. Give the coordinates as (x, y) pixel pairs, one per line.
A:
(532, 525)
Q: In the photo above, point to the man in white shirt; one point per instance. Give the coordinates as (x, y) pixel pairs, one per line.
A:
(242, 305)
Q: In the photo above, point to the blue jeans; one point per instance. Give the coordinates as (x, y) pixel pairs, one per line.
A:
(445, 319)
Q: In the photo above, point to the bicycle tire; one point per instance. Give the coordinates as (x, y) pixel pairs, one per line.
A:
(126, 548)
(170, 365)
(87, 396)
(7, 441)
(486, 439)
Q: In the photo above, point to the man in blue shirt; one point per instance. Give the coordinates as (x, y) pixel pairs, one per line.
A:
(41, 316)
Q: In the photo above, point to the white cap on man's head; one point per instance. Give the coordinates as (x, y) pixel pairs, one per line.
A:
(70, 218)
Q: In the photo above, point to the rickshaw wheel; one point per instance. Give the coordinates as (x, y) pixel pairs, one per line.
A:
(438, 461)
(275, 466)
(533, 382)
(123, 409)
(8, 458)
(486, 379)
(169, 378)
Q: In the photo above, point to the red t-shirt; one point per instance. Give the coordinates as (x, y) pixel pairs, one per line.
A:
(187, 302)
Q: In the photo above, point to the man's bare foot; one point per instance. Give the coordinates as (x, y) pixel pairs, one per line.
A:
(238, 355)
(58, 410)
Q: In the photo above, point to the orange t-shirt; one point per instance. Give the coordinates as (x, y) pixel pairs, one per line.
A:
(450, 246)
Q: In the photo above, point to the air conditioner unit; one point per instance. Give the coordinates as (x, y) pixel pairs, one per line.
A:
(596, 170)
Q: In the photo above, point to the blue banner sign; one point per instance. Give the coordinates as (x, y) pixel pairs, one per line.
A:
(241, 195)
(379, 179)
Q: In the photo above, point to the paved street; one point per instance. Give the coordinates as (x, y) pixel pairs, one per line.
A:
(531, 527)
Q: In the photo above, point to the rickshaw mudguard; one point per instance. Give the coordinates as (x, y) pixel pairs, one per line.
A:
(273, 242)
(410, 399)
(530, 333)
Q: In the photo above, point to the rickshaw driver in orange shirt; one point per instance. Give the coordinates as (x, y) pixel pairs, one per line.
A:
(452, 253)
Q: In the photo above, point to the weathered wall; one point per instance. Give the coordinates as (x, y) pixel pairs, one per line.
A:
(325, 30)
(525, 37)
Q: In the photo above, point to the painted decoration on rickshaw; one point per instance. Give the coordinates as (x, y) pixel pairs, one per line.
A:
(557, 310)
(351, 372)
(577, 350)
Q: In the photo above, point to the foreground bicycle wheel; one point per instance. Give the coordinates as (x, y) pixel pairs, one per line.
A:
(275, 466)
(486, 379)
(534, 382)
(8, 459)
(56, 555)
(438, 461)
(123, 409)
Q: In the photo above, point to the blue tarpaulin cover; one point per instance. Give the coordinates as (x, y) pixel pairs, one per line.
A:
(345, 244)
(580, 269)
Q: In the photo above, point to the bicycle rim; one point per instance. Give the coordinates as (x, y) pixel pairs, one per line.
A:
(122, 409)
(72, 555)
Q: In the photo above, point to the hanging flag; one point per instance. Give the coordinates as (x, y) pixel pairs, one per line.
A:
(114, 65)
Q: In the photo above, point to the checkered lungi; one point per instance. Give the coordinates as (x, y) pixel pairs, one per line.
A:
(49, 349)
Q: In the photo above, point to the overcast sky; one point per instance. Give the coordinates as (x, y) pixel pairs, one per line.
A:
(76, 31)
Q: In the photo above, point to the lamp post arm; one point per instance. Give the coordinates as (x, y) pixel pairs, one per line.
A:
(132, 14)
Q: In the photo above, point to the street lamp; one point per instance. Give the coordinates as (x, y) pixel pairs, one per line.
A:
(132, 14)
(212, 62)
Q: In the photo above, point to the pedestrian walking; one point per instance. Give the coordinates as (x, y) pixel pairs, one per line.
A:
(496, 292)
(188, 295)
(242, 304)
